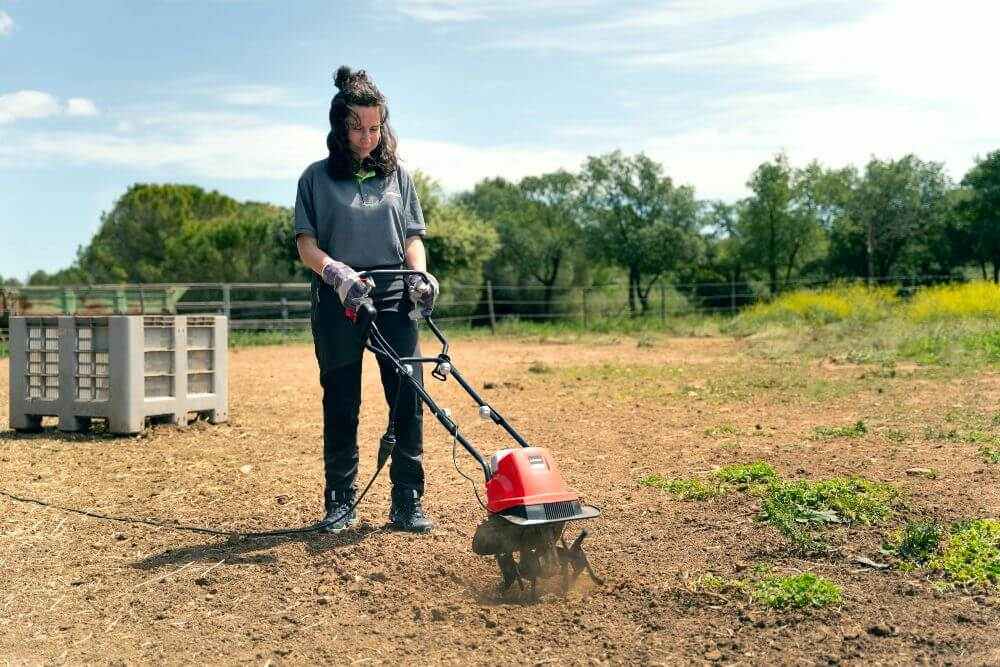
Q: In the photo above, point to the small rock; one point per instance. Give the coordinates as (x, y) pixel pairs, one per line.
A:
(852, 633)
(963, 618)
(378, 576)
(490, 623)
(923, 472)
(120, 537)
(713, 655)
(438, 615)
(77, 582)
(246, 469)
(322, 601)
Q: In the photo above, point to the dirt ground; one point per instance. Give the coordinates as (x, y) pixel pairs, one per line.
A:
(79, 590)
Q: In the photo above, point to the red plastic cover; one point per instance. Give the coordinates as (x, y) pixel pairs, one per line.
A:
(525, 476)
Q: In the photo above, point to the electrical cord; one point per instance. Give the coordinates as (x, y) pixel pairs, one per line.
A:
(180, 527)
(454, 460)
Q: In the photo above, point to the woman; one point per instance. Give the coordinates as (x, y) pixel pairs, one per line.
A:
(357, 210)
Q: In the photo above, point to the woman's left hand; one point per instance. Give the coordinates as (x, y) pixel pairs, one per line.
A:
(423, 291)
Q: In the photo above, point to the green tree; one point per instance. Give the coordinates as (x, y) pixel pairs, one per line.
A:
(894, 205)
(538, 223)
(131, 243)
(979, 210)
(779, 225)
(241, 246)
(639, 220)
(458, 242)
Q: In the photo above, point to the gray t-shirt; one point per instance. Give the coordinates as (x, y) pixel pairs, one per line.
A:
(363, 223)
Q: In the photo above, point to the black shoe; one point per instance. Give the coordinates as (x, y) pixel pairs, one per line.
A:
(338, 516)
(406, 512)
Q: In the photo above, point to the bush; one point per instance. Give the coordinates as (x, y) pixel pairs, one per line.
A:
(948, 302)
(844, 302)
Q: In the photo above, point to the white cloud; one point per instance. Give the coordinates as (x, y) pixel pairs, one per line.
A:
(27, 104)
(224, 146)
(6, 24)
(261, 151)
(80, 106)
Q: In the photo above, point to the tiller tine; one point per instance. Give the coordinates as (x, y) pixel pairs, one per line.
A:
(578, 558)
(526, 554)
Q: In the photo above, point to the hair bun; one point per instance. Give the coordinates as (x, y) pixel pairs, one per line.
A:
(342, 76)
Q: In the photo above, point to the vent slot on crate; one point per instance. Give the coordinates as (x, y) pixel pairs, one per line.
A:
(158, 357)
(200, 383)
(201, 355)
(42, 376)
(159, 386)
(92, 358)
(158, 337)
(200, 338)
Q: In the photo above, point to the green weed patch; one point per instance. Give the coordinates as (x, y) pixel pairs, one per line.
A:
(855, 430)
(798, 509)
(747, 474)
(799, 591)
(970, 555)
(915, 543)
(785, 382)
(796, 592)
(990, 454)
(684, 489)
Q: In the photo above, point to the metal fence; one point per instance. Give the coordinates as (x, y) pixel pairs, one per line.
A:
(285, 306)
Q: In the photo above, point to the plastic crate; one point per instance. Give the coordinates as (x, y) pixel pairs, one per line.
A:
(124, 369)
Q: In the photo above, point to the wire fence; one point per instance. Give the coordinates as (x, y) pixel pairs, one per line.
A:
(287, 306)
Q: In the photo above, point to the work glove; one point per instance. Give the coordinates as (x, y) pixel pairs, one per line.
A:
(423, 293)
(352, 289)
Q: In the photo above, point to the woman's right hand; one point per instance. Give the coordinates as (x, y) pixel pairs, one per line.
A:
(349, 286)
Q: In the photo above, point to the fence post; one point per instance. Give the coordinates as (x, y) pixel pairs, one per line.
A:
(284, 308)
(663, 302)
(226, 302)
(586, 316)
(489, 303)
(732, 295)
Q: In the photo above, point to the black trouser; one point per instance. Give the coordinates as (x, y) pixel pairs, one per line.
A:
(340, 375)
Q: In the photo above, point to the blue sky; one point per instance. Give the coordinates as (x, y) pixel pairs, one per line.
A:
(232, 95)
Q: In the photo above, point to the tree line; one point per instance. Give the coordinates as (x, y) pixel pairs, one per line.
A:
(619, 218)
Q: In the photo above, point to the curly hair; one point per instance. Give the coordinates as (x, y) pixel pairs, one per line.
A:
(356, 89)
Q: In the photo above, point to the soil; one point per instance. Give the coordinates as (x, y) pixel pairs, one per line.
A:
(81, 590)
